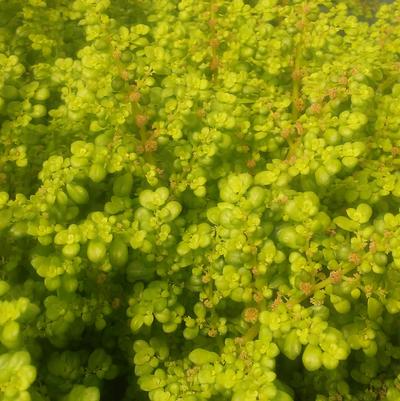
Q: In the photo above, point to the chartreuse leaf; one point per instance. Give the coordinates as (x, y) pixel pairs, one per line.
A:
(200, 356)
(361, 214)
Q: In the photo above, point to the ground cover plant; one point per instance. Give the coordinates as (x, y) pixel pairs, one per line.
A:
(199, 200)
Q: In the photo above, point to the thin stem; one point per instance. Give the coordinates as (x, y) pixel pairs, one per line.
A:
(251, 333)
(319, 286)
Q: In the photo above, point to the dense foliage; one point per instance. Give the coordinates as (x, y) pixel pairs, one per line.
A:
(199, 200)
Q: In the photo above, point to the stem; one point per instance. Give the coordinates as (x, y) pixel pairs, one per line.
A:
(296, 80)
(319, 286)
(251, 333)
(214, 54)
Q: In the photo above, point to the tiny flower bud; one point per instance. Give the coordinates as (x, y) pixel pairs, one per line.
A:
(141, 120)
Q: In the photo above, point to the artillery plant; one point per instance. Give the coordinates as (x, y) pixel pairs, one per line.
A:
(199, 200)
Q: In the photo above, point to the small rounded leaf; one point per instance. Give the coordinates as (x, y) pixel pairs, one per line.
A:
(78, 194)
(96, 251)
(312, 357)
(200, 356)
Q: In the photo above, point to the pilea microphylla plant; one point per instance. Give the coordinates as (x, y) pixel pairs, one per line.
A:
(199, 200)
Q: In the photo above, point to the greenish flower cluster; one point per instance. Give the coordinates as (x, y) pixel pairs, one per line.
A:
(199, 200)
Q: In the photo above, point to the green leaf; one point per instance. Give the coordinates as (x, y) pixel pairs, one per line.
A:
(312, 357)
(346, 224)
(375, 308)
(200, 356)
(362, 214)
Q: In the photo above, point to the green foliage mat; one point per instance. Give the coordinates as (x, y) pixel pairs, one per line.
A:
(199, 200)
